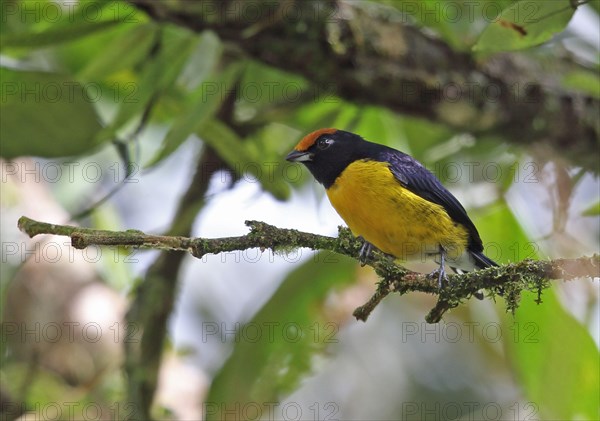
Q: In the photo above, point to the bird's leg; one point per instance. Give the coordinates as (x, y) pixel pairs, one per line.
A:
(442, 270)
(365, 251)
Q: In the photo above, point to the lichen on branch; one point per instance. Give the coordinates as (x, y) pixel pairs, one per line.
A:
(508, 280)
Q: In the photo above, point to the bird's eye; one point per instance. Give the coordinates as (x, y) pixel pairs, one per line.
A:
(324, 143)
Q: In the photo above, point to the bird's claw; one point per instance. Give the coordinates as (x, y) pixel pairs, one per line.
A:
(478, 295)
(441, 275)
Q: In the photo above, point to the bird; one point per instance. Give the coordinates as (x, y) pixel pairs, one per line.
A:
(391, 202)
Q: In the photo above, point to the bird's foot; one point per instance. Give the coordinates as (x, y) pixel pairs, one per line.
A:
(440, 273)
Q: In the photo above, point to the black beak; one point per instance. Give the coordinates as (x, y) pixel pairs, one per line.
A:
(299, 156)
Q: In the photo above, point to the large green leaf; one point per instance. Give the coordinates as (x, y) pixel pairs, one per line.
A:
(583, 81)
(243, 158)
(371, 126)
(202, 62)
(55, 35)
(525, 24)
(263, 88)
(555, 359)
(313, 115)
(159, 74)
(504, 239)
(201, 110)
(422, 135)
(457, 22)
(45, 114)
(540, 339)
(125, 51)
(592, 210)
(276, 347)
(49, 23)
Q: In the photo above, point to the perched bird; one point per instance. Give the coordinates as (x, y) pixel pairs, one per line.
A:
(392, 201)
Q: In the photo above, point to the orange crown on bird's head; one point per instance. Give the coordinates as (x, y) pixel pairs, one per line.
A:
(310, 139)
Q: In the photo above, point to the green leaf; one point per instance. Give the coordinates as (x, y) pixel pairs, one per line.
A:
(382, 126)
(555, 359)
(504, 239)
(50, 24)
(159, 73)
(267, 147)
(47, 387)
(592, 210)
(203, 108)
(274, 350)
(55, 35)
(422, 135)
(314, 115)
(123, 53)
(456, 22)
(45, 114)
(202, 62)
(525, 24)
(242, 158)
(583, 81)
(264, 87)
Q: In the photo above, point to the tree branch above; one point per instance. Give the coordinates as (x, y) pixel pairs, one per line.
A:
(371, 55)
(507, 280)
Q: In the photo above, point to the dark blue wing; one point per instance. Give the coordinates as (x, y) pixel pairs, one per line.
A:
(416, 178)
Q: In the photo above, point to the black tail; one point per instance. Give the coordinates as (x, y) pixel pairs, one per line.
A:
(482, 261)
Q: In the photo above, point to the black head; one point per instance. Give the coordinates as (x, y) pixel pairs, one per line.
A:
(327, 152)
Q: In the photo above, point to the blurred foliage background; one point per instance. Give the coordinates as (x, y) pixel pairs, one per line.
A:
(149, 115)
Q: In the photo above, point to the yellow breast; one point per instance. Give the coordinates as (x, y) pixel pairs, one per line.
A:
(398, 222)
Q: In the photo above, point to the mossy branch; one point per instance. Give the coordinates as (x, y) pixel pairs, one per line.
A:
(508, 280)
(348, 50)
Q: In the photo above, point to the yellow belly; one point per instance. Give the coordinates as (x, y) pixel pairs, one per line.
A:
(398, 222)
